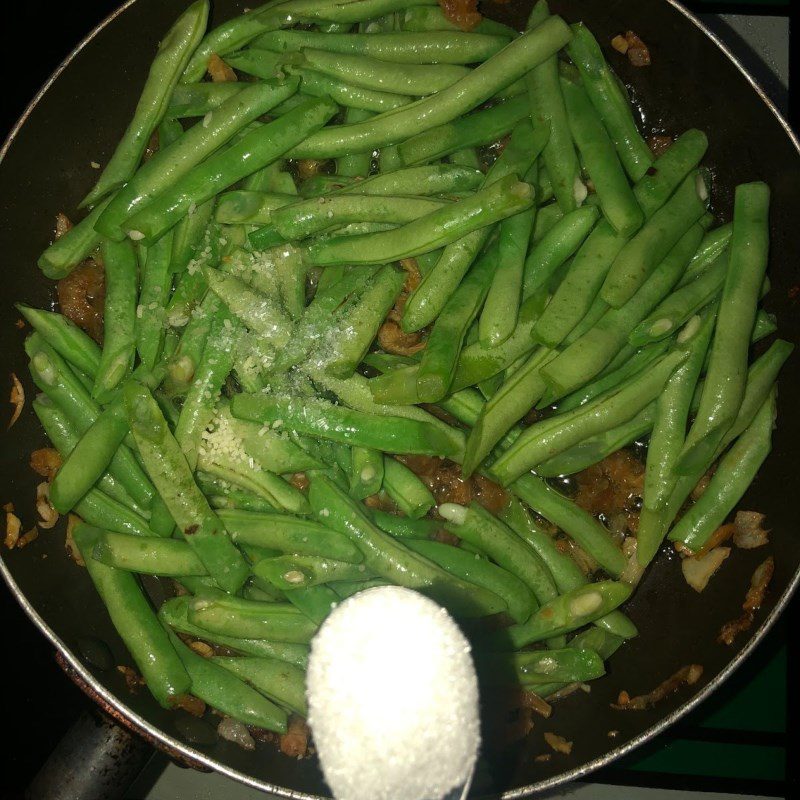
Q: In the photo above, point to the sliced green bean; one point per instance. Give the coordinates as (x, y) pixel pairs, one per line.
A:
(480, 571)
(479, 128)
(736, 471)
(119, 342)
(726, 376)
(249, 619)
(566, 613)
(498, 201)
(610, 101)
(174, 52)
(289, 535)
(172, 477)
(548, 111)
(541, 667)
(597, 151)
(656, 186)
(440, 357)
(642, 254)
(169, 165)
(367, 472)
(386, 557)
(555, 247)
(277, 680)
(65, 337)
(175, 614)
(254, 151)
(433, 47)
(482, 83)
(339, 424)
(73, 246)
(406, 490)
(137, 625)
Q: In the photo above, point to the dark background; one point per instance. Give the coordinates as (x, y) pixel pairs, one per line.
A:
(40, 703)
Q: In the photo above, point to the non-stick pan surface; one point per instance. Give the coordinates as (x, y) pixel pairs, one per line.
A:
(691, 83)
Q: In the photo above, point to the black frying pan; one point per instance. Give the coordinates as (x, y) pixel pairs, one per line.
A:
(693, 82)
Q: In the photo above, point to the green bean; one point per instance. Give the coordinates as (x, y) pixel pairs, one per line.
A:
(430, 179)
(254, 151)
(589, 353)
(156, 282)
(727, 368)
(367, 472)
(650, 246)
(438, 285)
(406, 490)
(277, 680)
(258, 312)
(479, 128)
(555, 247)
(566, 573)
(432, 18)
(248, 207)
(440, 357)
(272, 178)
(574, 521)
(182, 365)
(542, 667)
(505, 408)
(355, 392)
(73, 246)
(556, 434)
(316, 602)
(108, 513)
(119, 343)
(196, 100)
(404, 527)
(736, 471)
(388, 558)
(260, 63)
(464, 95)
(226, 693)
(168, 557)
(336, 423)
(548, 111)
(382, 75)
(198, 408)
(610, 101)
(356, 165)
(615, 195)
(667, 438)
(173, 55)
(345, 589)
(564, 614)
(501, 308)
(480, 571)
(293, 572)
(481, 529)
(312, 216)
(65, 337)
(136, 623)
(654, 188)
(714, 243)
(248, 619)
(288, 535)
(432, 47)
(171, 475)
(345, 94)
(175, 614)
(168, 166)
(189, 237)
(574, 296)
(678, 307)
(498, 201)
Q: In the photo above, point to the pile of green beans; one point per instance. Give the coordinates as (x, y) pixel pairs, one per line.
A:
(365, 261)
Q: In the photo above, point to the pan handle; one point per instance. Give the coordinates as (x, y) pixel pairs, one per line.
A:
(96, 760)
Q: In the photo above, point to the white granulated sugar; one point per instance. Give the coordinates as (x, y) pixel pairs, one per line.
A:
(393, 698)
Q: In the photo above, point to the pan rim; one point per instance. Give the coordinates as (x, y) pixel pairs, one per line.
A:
(553, 782)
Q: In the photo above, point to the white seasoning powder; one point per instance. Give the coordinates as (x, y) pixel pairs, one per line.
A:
(393, 698)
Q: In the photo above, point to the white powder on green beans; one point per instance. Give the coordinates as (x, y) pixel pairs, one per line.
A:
(393, 698)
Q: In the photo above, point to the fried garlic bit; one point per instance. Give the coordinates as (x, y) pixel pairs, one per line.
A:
(16, 398)
(219, 71)
(752, 602)
(685, 676)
